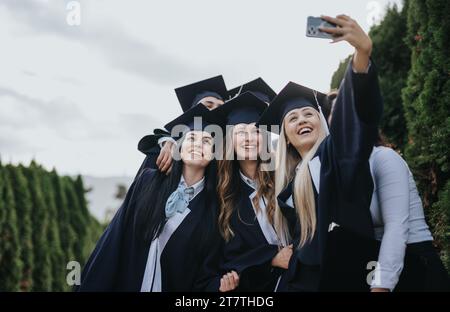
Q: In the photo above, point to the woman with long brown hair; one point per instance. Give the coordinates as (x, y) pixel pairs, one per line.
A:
(253, 250)
(164, 236)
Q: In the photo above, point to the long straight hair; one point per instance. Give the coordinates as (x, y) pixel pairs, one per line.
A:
(290, 165)
(150, 217)
(228, 188)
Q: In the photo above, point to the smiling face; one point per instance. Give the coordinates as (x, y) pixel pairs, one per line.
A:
(211, 102)
(302, 127)
(197, 149)
(247, 141)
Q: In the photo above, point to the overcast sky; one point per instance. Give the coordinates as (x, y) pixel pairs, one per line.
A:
(79, 97)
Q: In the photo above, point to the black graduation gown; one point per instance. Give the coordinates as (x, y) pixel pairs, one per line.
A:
(119, 259)
(337, 260)
(248, 252)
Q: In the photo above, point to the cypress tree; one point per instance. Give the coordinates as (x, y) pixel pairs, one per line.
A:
(77, 222)
(393, 59)
(427, 106)
(56, 254)
(91, 226)
(66, 233)
(42, 279)
(23, 206)
(10, 263)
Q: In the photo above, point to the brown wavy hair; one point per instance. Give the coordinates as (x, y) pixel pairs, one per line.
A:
(228, 189)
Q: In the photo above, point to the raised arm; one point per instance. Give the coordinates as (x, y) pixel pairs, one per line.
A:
(359, 105)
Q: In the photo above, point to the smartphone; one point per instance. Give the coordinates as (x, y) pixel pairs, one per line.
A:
(312, 28)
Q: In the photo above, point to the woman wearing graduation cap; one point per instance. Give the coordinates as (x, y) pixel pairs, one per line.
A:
(253, 252)
(157, 147)
(323, 179)
(164, 235)
(211, 93)
(258, 87)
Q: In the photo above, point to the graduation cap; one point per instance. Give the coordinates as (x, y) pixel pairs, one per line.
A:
(246, 108)
(190, 95)
(293, 96)
(259, 88)
(197, 118)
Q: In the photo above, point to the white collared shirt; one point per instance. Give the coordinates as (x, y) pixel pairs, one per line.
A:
(261, 214)
(152, 274)
(198, 187)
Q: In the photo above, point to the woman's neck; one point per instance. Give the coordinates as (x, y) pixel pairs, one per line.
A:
(192, 175)
(248, 168)
(303, 151)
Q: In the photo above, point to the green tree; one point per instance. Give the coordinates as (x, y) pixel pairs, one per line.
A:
(77, 220)
(393, 59)
(10, 262)
(81, 191)
(23, 205)
(427, 106)
(66, 232)
(42, 273)
(56, 254)
(338, 75)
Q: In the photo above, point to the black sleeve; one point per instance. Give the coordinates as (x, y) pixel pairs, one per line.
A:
(99, 273)
(209, 276)
(252, 263)
(149, 142)
(149, 161)
(345, 163)
(356, 114)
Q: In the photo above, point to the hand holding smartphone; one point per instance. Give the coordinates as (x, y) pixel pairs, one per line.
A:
(312, 28)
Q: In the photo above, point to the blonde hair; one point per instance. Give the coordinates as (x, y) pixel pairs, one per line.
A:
(228, 188)
(290, 166)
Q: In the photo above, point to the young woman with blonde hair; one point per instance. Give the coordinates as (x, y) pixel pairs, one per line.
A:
(323, 181)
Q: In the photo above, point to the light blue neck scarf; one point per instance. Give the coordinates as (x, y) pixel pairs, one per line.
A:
(178, 201)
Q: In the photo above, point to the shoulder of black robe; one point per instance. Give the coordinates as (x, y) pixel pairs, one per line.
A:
(103, 269)
(149, 161)
(148, 142)
(149, 146)
(248, 252)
